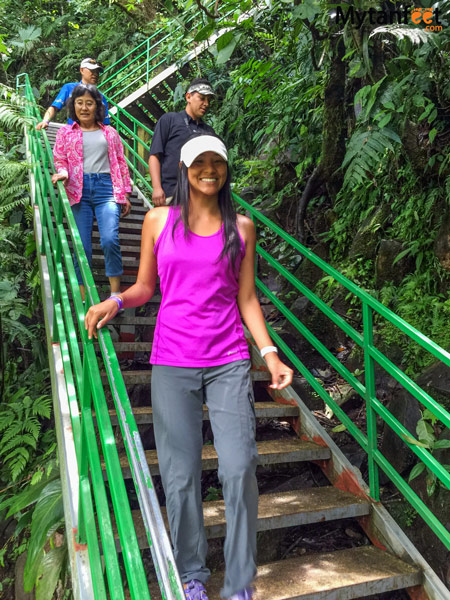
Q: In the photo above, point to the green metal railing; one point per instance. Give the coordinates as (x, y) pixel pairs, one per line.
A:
(138, 66)
(372, 357)
(88, 407)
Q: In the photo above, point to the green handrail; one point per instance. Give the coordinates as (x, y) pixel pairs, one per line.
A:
(372, 355)
(139, 61)
(85, 391)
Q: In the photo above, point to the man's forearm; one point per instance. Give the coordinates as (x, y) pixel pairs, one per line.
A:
(49, 113)
(154, 166)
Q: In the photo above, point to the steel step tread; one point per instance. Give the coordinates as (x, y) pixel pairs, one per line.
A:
(271, 452)
(263, 410)
(277, 510)
(341, 575)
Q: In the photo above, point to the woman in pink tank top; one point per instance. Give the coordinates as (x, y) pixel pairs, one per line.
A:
(204, 255)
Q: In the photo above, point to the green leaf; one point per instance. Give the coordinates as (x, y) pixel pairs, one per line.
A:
(416, 471)
(49, 511)
(384, 120)
(225, 54)
(339, 428)
(400, 255)
(205, 32)
(308, 9)
(224, 40)
(431, 483)
(49, 572)
(425, 433)
(432, 135)
(413, 441)
(441, 444)
(427, 414)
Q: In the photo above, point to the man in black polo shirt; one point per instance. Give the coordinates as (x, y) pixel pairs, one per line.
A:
(171, 131)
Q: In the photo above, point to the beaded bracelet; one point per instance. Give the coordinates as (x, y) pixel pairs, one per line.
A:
(117, 299)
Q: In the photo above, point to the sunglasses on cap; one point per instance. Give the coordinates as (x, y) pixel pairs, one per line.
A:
(92, 61)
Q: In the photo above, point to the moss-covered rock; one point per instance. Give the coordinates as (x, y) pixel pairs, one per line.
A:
(385, 269)
(367, 237)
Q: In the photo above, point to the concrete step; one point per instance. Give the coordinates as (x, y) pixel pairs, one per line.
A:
(342, 575)
(129, 319)
(125, 236)
(285, 509)
(127, 261)
(144, 376)
(270, 453)
(129, 346)
(263, 410)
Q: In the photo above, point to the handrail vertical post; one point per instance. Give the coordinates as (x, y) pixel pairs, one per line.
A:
(134, 145)
(370, 395)
(147, 62)
(83, 469)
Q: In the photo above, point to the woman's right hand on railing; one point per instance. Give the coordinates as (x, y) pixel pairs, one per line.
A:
(98, 315)
(59, 177)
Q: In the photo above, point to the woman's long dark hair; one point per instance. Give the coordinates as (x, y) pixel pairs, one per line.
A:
(80, 90)
(231, 242)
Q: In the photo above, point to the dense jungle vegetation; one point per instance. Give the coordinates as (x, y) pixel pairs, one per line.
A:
(339, 133)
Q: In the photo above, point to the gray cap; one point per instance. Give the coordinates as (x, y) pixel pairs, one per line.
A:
(201, 88)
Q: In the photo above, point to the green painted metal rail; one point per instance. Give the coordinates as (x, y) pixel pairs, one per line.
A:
(372, 356)
(139, 65)
(85, 392)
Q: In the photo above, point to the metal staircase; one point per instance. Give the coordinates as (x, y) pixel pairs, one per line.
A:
(140, 81)
(94, 399)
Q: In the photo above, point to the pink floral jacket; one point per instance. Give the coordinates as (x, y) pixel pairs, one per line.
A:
(68, 157)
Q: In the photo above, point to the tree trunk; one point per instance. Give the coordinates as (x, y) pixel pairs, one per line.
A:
(333, 138)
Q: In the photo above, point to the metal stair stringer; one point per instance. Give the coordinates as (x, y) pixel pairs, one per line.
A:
(137, 98)
(82, 586)
(378, 525)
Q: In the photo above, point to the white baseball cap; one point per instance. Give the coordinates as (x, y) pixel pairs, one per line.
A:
(90, 63)
(200, 144)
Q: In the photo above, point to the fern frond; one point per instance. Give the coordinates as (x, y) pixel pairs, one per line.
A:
(9, 421)
(32, 426)
(10, 169)
(29, 439)
(18, 466)
(12, 443)
(4, 210)
(11, 433)
(366, 151)
(416, 36)
(42, 406)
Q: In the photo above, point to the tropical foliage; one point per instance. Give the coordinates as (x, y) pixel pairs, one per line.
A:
(338, 132)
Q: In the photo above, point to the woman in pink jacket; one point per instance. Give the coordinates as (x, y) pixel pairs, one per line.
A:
(89, 160)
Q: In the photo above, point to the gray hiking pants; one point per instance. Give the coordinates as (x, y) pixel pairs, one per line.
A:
(177, 397)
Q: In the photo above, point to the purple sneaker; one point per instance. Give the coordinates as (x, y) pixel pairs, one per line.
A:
(195, 590)
(245, 594)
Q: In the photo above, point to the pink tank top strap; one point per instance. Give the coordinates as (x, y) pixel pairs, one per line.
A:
(167, 227)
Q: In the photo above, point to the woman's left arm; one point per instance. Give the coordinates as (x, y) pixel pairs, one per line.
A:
(250, 308)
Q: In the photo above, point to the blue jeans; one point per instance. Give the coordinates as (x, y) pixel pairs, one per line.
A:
(97, 198)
